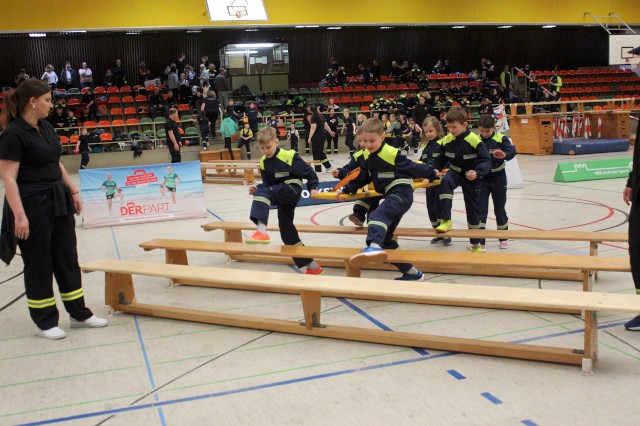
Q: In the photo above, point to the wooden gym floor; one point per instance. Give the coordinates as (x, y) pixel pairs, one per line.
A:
(148, 371)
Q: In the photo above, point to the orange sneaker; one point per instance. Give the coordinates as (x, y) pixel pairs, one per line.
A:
(316, 271)
(258, 238)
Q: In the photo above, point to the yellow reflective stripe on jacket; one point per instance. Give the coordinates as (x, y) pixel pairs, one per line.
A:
(398, 182)
(262, 200)
(388, 154)
(497, 169)
(73, 295)
(473, 139)
(469, 156)
(286, 156)
(497, 137)
(39, 304)
(294, 182)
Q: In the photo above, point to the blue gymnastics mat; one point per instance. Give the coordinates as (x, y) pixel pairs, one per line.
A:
(576, 146)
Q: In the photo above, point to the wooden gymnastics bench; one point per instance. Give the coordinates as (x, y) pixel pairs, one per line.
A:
(176, 253)
(230, 171)
(233, 233)
(121, 296)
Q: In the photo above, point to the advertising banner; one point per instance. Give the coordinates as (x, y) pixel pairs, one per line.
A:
(575, 171)
(138, 194)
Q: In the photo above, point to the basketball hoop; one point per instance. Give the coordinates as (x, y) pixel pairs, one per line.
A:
(238, 8)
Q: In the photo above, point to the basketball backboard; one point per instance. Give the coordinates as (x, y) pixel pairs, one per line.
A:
(236, 10)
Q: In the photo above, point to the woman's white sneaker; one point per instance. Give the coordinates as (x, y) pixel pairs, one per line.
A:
(54, 333)
(93, 322)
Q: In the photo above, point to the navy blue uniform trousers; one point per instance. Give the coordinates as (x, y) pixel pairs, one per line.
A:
(494, 185)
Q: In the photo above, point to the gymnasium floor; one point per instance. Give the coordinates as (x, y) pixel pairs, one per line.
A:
(147, 371)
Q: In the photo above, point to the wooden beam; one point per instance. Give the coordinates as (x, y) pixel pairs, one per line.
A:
(442, 343)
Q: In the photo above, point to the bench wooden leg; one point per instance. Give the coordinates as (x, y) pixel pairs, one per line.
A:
(590, 342)
(593, 251)
(176, 257)
(249, 177)
(311, 307)
(352, 270)
(232, 236)
(118, 290)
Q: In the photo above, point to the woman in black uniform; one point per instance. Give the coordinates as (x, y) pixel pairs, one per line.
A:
(317, 136)
(40, 202)
(211, 108)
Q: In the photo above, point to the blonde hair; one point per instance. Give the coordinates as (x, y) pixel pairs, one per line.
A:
(371, 125)
(430, 121)
(266, 135)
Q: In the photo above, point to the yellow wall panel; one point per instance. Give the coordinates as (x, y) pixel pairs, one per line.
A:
(29, 15)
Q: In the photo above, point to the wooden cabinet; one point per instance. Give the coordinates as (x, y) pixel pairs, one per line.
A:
(532, 134)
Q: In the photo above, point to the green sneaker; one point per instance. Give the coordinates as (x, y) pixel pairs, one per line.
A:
(444, 226)
(475, 248)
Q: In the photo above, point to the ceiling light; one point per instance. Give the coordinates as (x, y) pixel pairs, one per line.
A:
(385, 28)
(548, 26)
(504, 27)
(253, 45)
(37, 34)
(307, 26)
(73, 32)
(457, 27)
(334, 28)
(251, 29)
(241, 52)
(193, 31)
(133, 32)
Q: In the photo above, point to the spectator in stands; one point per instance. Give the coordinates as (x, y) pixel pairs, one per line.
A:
(421, 111)
(212, 75)
(330, 106)
(157, 103)
(415, 73)
(71, 123)
(173, 81)
(50, 76)
(334, 65)
(191, 75)
(222, 86)
(204, 61)
(211, 109)
(144, 73)
(341, 77)
(109, 79)
(20, 77)
(120, 74)
(203, 75)
(68, 77)
(447, 68)
(485, 107)
(184, 91)
(396, 71)
(555, 85)
(532, 88)
(505, 78)
(171, 101)
(491, 72)
(253, 117)
(180, 65)
(363, 74)
(58, 119)
(86, 76)
(375, 71)
(89, 102)
(437, 68)
(329, 79)
(232, 110)
(173, 136)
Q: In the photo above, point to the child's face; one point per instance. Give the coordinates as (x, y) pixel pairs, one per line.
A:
(169, 169)
(370, 141)
(246, 126)
(83, 132)
(269, 148)
(430, 132)
(485, 132)
(345, 113)
(456, 128)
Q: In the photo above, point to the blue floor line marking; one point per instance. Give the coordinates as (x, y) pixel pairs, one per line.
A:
(529, 423)
(287, 382)
(455, 374)
(241, 390)
(141, 341)
(491, 398)
(376, 322)
(215, 215)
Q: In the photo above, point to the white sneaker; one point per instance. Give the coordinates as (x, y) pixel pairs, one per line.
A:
(504, 244)
(54, 333)
(93, 322)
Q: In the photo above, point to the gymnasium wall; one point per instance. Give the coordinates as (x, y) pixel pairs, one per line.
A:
(29, 15)
(310, 49)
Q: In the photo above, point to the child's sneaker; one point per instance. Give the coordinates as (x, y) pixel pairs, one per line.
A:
(54, 333)
(258, 238)
(356, 220)
(316, 271)
(437, 240)
(445, 225)
(476, 248)
(93, 322)
(446, 242)
(634, 324)
(504, 244)
(411, 277)
(373, 254)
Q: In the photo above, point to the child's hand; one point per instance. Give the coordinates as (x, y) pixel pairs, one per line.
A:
(471, 175)
(499, 154)
(335, 173)
(340, 195)
(332, 134)
(313, 192)
(252, 190)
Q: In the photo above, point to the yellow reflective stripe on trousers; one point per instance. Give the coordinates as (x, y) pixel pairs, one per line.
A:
(293, 181)
(497, 169)
(398, 182)
(363, 204)
(503, 227)
(378, 223)
(446, 197)
(455, 168)
(470, 226)
(262, 200)
(73, 295)
(39, 304)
